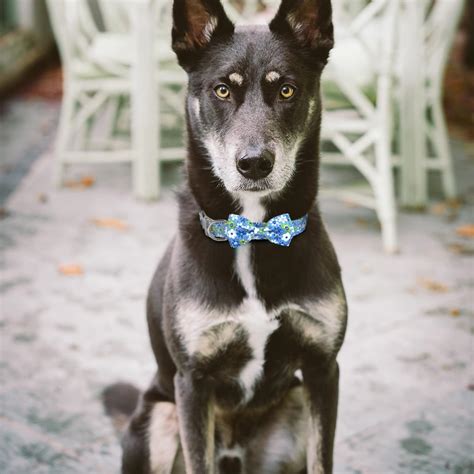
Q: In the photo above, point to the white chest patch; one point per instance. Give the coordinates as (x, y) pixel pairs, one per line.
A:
(259, 325)
(259, 322)
(196, 324)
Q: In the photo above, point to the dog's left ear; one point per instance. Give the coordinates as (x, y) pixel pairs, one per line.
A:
(195, 24)
(309, 23)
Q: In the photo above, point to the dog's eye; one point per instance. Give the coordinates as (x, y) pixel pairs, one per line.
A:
(222, 91)
(287, 91)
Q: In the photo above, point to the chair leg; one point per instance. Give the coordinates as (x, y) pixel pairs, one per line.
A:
(63, 136)
(443, 151)
(388, 223)
(145, 107)
(385, 196)
(387, 215)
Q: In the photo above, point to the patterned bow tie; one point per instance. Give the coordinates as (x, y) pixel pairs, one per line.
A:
(239, 230)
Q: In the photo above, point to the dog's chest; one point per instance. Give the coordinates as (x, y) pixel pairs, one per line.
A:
(228, 346)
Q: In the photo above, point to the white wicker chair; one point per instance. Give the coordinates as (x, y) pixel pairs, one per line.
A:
(115, 44)
(360, 127)
(98, 70)
(388, 67)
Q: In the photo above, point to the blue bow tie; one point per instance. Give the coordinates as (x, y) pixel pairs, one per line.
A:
(238, 230)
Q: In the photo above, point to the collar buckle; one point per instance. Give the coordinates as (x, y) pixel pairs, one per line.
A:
(211, 236)
(206, 224)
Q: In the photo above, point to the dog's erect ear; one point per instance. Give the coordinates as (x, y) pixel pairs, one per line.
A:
(309, 22)
(195, 24)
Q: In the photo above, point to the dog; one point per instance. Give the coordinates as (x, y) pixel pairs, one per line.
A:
(245, 335)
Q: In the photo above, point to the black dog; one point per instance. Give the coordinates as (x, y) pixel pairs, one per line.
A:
(246, 338)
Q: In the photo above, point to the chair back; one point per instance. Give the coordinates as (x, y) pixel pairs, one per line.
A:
(114, 15)
(71, 26)
(363, 53)
(75, 28)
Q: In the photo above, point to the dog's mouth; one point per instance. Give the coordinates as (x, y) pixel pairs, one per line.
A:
(255, 187)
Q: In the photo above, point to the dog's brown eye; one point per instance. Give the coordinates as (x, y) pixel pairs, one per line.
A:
(287, 91)
(222, 91)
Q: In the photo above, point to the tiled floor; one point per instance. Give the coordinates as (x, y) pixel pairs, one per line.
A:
(28, 121)
(407, 387)
(407, 393)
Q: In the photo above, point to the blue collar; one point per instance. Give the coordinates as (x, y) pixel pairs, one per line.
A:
(238, 230)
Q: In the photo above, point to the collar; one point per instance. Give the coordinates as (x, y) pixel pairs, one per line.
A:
(238, 230)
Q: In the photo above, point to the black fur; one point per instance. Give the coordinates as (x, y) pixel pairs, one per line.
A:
(199, 269)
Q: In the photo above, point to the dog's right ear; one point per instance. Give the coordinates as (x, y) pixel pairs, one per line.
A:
(195, 24)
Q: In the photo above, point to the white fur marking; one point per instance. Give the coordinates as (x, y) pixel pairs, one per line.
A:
(329, 316)
(284, 440)
(330, 311)
(235, 451)
(296, 26)
(163, 437)
(210, 27)
(311, 108)
(244, 270)
(195, 319)
(259, 326)
(314, 451)
(196, 107)
(251, 209)
(236, 78)
(272, 76)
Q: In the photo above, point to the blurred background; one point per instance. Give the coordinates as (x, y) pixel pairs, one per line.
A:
(91, 150)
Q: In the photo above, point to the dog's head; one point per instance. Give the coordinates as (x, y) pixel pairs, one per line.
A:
(253, 94)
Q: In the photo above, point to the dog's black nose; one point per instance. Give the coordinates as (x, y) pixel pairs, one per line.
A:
(256, 165)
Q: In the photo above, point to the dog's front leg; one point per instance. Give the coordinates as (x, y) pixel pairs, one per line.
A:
(322, 389)
(196, 424)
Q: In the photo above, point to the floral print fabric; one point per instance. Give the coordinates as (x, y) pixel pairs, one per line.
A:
(238, 230)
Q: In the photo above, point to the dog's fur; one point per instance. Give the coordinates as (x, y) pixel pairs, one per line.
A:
(231, 328)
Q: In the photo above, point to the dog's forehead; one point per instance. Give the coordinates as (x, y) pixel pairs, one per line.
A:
(253, 50)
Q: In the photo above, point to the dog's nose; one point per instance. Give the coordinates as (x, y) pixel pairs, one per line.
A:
(256, 165)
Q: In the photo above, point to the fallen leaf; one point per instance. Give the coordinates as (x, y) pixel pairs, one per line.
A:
(461, 249)
(432, 285)
(454, 203)
(42, 198)
(3, 213)
(415, 358)
(84, 182)
(449, 208)
(466, 231)
(439, 208)
(349, 203)
(362, 222)
(367, 223)
(110, 223)
(71, 269)
(455, 312)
